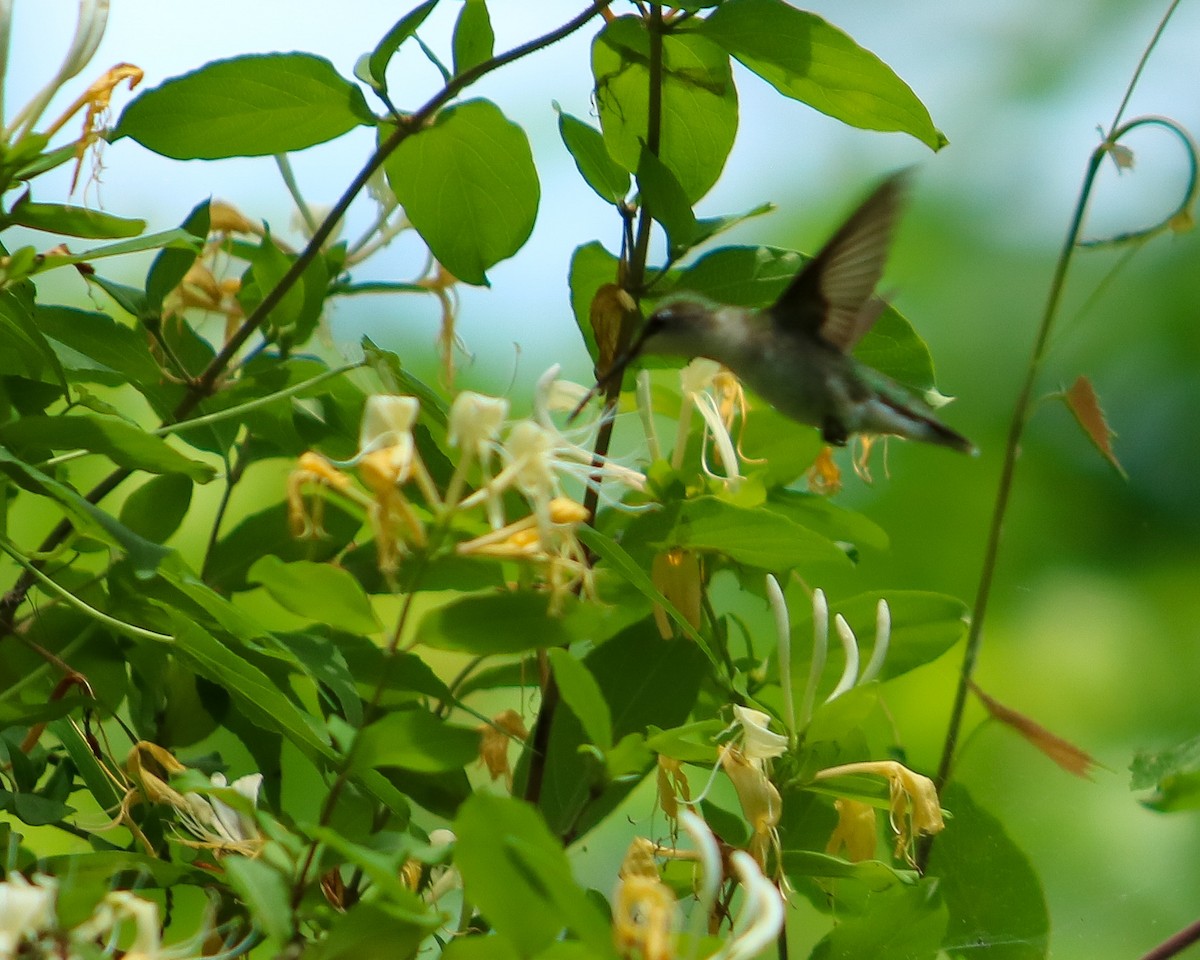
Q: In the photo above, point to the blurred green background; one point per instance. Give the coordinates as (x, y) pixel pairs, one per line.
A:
(1093, 627)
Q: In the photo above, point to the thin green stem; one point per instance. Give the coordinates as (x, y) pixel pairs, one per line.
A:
(1020, 417)
(119, 626)
(1137, 72)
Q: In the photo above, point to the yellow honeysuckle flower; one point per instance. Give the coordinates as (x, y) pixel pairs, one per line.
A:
(855, 832)
(761, 803)
(676, 574)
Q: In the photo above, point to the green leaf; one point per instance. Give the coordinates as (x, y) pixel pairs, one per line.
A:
(267, 532)
(582, 694)
(873, 874)
(72, 221)
(267, 269)
(901, 923)
(122, 442)
(375, 931)
(823, 517)
(23, 341)
(494, 623)
(1004, 917)
(586, 145)
(172, 264)
(473, 36)
(518, 875)
(755, 537)
(264, 892)
(1174, 775)
(699, 102)
(756, 276)
(591, 267)
(319, 592)
(468, 185)
(381, 56)
(250, 106)
(144, 555)
(96, 342)
(415, 740)
(37, 811)
(157, 508)
(807, 59)
(666, 201)
(256, 693)
(152, 241)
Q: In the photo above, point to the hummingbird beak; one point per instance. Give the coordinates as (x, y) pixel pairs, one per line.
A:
(616, 371)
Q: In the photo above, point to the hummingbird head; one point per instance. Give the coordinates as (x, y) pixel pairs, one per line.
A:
(677, 328)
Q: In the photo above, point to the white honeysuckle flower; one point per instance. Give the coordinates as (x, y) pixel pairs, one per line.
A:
(850, 649)
(697, 380)
(26, 910)
(710, 860)
(883, 637)
(388, 421)
(820, 649)
(758, 742)
(217, 824)
(89, 30)
(475, 424)
(760, 919)
(783, 634)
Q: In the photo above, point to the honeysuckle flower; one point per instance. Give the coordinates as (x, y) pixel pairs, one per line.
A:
(761, 803)
(883, 637)
(672, 786)
(120, 907)
(643, 907)
(760, 919)
(783, 635)
(820, 650)
(850, 650)
(913, 806)
(26, 911)
(441, 283)
(217, 825)
(700, 379)
(758, 741)
(855, 832)
(474, 427)
(709, 855)
(823, 476)
(312, 469)
(676, 574)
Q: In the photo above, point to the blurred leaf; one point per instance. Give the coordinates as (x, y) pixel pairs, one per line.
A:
(174, 238)
(144, 555)
(582, 694)
(873, 874)
(468, 185)
(415, 740)
(157, 508)
(473, 36)
(786, 449)
(903, 922)
(664, 198)
(699, 102)
(405, 27)
(826, 518)
(95, 341)
(518, 875)
(492, 623)
(264, 892)
(1005, 917)
(123, 443)
(249, 106)
(1174, 775)
(72, 221)
(807, 59)
(32, 809)
(172, 264)
(604, 175)
(376, 931)
(24, 349)
(319, 592)
(267, 532)
(495, 946)
(1083, 403)
(756, 537)
(592, 267)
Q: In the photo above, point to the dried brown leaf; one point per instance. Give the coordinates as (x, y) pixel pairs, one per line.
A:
(1062, 752)
(1082, 401)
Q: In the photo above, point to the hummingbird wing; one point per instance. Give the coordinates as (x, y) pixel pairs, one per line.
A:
(831, 298)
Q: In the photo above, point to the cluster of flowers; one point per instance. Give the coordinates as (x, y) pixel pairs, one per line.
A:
(532, 457)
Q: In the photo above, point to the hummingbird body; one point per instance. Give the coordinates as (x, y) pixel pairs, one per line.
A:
(796, 353)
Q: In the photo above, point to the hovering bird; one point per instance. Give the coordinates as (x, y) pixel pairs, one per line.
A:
(795, 354)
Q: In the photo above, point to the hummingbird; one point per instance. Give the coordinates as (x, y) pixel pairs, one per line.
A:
(795, 353)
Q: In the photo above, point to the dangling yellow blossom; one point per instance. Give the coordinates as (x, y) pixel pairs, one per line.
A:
(855, 831)
(673, 786)
(824, 477)
(643, 907)
(493, 743)
(913, 806)
(676, 574)
(311, 469)
(761, 803)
